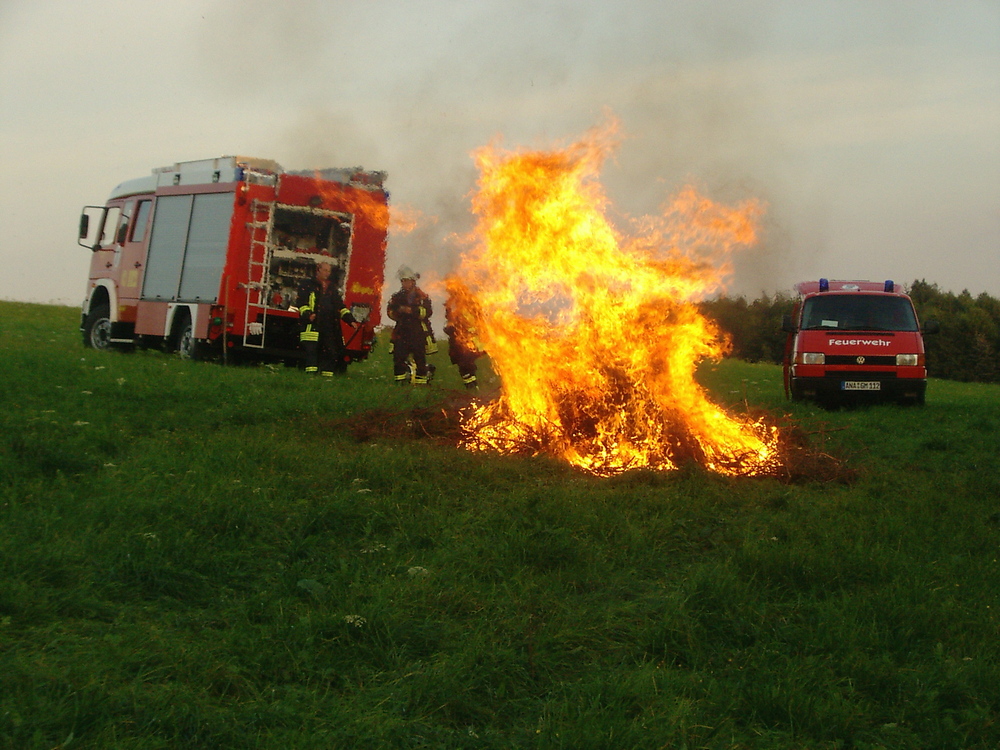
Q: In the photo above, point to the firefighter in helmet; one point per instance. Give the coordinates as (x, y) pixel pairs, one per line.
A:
(463, 345)
(321, 308)
(410, 309)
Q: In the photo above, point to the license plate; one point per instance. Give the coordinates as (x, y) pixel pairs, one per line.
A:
(861, 385)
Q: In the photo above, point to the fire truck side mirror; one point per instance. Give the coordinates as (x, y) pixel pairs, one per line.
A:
(91, 223)
(932, 326)
(787, 324)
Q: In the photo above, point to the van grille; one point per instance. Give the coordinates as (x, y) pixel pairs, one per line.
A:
(859, 375)
(852, 359)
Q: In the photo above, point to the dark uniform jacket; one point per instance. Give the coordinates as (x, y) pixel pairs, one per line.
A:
(409, 326)
(328, 307)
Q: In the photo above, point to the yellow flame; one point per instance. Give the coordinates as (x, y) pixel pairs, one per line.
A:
(594, 335)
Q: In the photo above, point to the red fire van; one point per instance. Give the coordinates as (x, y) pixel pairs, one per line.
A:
(849, 340)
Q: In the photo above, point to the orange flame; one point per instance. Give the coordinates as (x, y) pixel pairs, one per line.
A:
(594, 335)
(406, 219)
(357, 199)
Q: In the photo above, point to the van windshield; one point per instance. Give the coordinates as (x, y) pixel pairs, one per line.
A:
(859, 312)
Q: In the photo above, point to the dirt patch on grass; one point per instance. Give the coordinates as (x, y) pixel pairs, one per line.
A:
(441, 424)
(799, 460)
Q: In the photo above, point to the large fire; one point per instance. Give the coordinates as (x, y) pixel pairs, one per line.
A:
(594, 334)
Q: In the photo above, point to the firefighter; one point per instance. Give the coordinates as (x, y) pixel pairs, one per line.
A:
(321, 309)
(463, 346)
(409, 308)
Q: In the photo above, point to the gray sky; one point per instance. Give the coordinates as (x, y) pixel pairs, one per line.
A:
(871, 128)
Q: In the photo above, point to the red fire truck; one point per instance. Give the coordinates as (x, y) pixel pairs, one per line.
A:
(206, 257)
(853, 340)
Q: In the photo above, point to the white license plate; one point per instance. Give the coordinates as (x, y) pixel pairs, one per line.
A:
(861, 385)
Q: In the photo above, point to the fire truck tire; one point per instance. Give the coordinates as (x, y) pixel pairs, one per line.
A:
(97, 328)
(185, 344)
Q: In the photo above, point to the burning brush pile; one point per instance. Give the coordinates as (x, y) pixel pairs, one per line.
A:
(594, 332)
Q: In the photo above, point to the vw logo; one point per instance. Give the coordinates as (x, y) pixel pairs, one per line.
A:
(861, 360)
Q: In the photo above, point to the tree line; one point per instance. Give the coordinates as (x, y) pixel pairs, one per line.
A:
(966, 349)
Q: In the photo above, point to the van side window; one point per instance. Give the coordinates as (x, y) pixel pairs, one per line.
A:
(141, 221)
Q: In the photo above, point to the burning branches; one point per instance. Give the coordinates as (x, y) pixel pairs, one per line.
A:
(595, 335)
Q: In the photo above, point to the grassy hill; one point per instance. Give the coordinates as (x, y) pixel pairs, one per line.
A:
(194, 555)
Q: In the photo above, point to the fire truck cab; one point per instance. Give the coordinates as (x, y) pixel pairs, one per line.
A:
(207, 257)
(853, 340)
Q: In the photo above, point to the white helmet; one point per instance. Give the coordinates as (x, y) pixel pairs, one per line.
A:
(405, 272)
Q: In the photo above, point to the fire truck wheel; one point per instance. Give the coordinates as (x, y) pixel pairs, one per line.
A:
(186, 345)
(97, 328)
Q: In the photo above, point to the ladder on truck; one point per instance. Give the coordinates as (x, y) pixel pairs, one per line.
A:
(258, 271)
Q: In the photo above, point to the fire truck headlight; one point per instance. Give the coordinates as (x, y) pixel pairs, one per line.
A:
(813, 358)
(907, 360)
(360, 312)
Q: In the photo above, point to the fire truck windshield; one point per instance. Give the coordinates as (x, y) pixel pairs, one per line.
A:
(858, 312)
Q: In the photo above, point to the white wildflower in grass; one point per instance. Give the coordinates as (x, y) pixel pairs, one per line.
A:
(373, 549)
(418, 572)
(120, 381)
(356, 620)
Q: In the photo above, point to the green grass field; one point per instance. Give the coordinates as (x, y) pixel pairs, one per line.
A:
(198, 556)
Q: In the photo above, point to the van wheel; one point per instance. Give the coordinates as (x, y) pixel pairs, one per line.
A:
(97, 328)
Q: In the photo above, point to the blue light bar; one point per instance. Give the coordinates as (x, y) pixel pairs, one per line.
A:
(889, 286)
(824, 285)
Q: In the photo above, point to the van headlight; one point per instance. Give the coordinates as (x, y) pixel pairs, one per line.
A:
(907, 360)
(813, 358)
